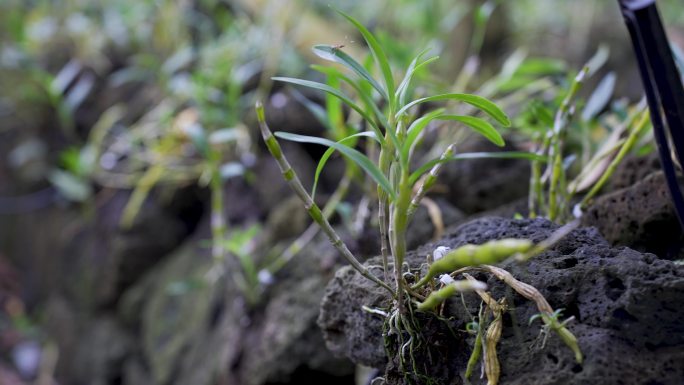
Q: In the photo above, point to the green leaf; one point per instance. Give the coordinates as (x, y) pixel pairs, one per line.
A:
(349, 141)
(70, 186)
(598, 60)
(474, 155)
(477, 101)
(316, 110)
(600, 97)
(541, 66)
(484, 12)
(481, 126)
(334, 110)
(367, 101)
(336, 55)
(415, 129)
(351, 153)
(402, 90)
(378, 54)
(512, 63)
(365, 97)
(331, 91)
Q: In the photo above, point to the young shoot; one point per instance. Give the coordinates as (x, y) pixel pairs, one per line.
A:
(387, 108)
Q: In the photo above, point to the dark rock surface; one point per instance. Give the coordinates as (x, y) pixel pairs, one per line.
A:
(628, 308)
(634, 169)
(420, 230)
(641, 216)
(208, 330)
(484, 184)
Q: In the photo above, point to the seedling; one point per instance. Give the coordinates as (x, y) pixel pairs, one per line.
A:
(387, 110)
(396, 131)
(552, 191)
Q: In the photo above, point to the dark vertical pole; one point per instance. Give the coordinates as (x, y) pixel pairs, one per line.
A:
(663, 87)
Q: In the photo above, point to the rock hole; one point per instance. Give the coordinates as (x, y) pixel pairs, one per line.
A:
(624, 315)
(572, 310)
(577, 368)
(568, 263)
(552, 358)
(615, 288)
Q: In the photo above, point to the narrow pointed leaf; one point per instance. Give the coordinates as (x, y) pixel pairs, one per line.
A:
(331, 91)
(371, 107)
(315, 109)
(409, 71)
(416, 69)
(477, 101)
(378, 54)
(600, 97)
(367, 101)
(336, 55)
(334, 110)
(480, 126)
(416, 128)
(356, 156)
(403, 88)
(348, 141)
(474, 155)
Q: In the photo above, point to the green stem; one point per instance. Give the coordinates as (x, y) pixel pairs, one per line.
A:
(312, 230)
(313, 209)
(218, 223)
(429, 181)
(624, 150)
(536, 199)
(384, 163)
(476, 354)
(398, 226)
(556, 157)
(142, 189)
(557, 170)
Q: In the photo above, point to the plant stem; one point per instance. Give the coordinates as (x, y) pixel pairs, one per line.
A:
(142, 189)
(535, 200)
(624, 150)
(384, 163)
(314, 211)
(556, 157)
(218, 224)
(429, 182)
(556, 174)
(312, 230)
(398, 225)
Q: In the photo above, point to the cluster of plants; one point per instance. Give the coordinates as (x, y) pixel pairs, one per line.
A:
(388, 122)
(203, 64)
(395, 133)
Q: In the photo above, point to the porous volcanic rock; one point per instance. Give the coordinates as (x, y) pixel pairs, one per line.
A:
(484, 184)
(627, 305)
(640, 216)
